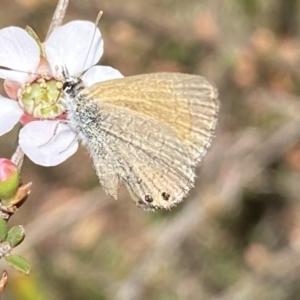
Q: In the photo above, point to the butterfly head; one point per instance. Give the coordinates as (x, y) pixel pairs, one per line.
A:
(71, 85)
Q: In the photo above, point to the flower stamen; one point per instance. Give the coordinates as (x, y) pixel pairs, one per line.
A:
(42, 98)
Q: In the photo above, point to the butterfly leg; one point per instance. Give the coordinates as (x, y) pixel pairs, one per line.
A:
(55, 132)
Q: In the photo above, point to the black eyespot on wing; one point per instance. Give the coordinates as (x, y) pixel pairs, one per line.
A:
(165, 196)
(148, 198)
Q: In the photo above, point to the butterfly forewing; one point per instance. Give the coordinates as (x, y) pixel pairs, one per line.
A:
(151, 131)
(185, 103)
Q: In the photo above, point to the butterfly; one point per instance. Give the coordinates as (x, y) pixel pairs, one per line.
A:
(148, 132)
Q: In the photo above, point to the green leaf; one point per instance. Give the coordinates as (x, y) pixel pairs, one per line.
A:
(3, 230)
(15, 235)
(19, 263)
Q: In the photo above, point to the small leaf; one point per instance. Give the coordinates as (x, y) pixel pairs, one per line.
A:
(3, 230)
(19, 263)
(15, 235)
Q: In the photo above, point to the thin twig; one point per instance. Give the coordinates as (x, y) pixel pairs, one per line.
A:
(18, 157)
(58, 16)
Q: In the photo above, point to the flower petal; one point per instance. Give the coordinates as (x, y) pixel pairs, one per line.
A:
(100, 73)
(77, 46)
(45, 147)
(11, 88)
(18, 52)
(10, 114)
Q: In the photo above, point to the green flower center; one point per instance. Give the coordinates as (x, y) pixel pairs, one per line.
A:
(42, 98)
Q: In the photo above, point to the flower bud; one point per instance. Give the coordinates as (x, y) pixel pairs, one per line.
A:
(9, 179)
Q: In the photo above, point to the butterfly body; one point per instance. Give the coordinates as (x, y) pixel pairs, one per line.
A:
(148, 132)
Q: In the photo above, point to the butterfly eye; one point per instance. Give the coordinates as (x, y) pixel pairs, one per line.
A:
(68, 87)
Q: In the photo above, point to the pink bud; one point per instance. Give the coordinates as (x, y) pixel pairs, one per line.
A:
(9, 179)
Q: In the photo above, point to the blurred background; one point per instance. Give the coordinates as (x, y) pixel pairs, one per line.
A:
(237, 235)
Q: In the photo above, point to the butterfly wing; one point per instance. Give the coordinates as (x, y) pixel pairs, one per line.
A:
(153, 129)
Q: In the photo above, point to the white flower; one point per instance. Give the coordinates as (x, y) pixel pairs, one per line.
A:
(38, 106)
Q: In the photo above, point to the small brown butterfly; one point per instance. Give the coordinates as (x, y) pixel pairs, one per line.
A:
(147, 131)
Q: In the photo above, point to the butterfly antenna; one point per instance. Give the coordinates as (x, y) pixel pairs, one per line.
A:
(29, 73)
(65, 72)
(93, 37)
